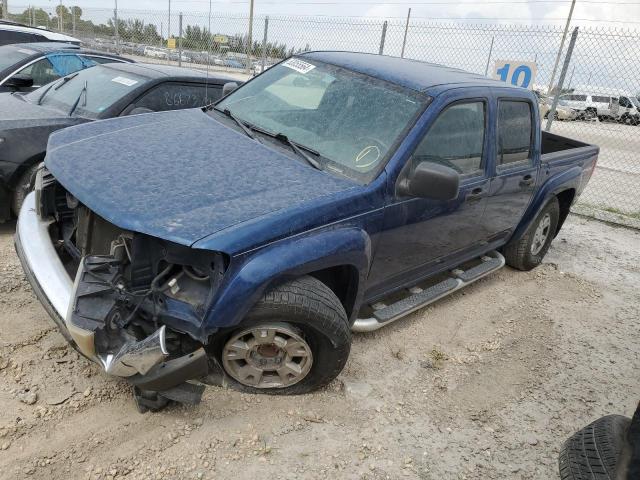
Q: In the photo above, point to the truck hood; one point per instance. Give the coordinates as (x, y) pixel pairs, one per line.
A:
(180, 176)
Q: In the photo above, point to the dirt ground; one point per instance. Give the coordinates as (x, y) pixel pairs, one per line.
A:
(484, 384)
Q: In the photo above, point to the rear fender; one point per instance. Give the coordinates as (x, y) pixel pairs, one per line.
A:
(566, 180)
(250, 275)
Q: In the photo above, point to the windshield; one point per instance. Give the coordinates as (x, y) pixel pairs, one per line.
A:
(351, 120)
(635, 101)
(105, 86)
(10, 55)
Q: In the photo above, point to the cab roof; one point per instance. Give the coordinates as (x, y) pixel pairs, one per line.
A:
(414, 74)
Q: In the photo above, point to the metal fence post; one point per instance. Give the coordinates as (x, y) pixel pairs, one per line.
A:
(5, 8)
(115, 25)
(406, 29)
(383, 38)
(60, 19)
(250, 39)
(264, 42)
(563, 74)
(73, 19)
(486, 70)
(180, 40)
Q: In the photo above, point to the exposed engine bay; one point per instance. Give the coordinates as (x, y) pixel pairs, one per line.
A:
(136, 297)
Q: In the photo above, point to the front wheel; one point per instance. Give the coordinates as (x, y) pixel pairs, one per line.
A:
(295, 340)
(527, 252)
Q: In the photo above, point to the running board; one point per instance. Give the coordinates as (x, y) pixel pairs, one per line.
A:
(384, 314)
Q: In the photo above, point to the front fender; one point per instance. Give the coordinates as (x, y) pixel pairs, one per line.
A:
(569, 179)
(249, 275)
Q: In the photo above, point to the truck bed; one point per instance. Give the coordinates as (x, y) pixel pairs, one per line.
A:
(552, 143)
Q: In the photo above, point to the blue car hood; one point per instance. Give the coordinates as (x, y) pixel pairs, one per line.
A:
(179, 176)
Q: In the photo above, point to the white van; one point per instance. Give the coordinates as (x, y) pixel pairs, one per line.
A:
(603, 103)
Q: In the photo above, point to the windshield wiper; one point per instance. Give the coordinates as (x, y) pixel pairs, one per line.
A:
(240, 123)
(299, 149)
(57, 85)
(84, 104)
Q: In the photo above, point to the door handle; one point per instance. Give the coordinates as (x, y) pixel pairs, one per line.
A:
(526, 181)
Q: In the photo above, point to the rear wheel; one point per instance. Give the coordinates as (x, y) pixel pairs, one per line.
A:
(527, 252)
(296, 339)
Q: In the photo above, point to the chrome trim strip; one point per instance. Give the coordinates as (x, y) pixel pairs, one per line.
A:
(41, 257)
(363, 325)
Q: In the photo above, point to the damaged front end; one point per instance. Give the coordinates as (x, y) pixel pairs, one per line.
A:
(132, 303)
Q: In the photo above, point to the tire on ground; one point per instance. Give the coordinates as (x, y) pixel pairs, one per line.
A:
(312, 308)
(593, 453)
(518, 251)
(23, 187)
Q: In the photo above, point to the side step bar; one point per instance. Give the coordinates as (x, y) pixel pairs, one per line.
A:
(385, 314)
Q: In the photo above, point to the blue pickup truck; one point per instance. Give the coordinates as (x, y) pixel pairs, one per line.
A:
(334, 193)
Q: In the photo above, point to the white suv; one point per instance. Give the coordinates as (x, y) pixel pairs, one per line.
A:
(11, 32)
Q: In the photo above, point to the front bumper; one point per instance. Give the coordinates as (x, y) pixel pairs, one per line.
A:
(54, 288)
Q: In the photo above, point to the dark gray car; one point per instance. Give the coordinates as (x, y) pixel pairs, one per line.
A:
(100, 92)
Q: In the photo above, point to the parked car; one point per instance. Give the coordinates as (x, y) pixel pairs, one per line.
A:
(334, 192)
(562, 112)
(101, 92)
(175, 56)
(26, 67)
(156, 52)
(607, 104)
(232, 63)
(12, 32)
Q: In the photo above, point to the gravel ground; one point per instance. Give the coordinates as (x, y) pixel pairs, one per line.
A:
(485, 384)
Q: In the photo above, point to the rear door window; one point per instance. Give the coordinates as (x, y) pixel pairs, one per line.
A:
(515, 133)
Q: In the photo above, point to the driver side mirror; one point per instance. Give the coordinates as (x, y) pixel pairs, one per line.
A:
(431, 180)
(19, 81)
(228, 87)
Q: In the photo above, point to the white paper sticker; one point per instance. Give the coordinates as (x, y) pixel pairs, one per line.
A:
(124, 81)
(26, 52)
(298, 65)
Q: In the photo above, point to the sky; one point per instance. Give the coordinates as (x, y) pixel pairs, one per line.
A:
(587, 12)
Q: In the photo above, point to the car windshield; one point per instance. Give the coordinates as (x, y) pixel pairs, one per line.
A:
(10, 55)
(350, 120)
(635, 102)
(105, 86)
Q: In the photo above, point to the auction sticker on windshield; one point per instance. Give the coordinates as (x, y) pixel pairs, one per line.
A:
(124, 81)
(298, 65)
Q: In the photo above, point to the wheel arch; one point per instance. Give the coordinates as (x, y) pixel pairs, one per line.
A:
(565, 199)
(339, 258)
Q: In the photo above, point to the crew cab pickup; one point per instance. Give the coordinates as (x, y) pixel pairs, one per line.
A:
(334, 193)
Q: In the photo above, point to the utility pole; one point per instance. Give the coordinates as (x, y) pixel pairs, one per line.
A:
(406, 29)
(250, 39)
(564, 37)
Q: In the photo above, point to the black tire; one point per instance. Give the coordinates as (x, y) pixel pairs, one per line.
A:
(25, 184)
(312, 308)
(518, 252)
(594, 452)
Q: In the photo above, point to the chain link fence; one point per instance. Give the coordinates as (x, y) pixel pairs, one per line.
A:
(598, 99)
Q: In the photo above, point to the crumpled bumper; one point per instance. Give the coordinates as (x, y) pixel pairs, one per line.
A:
(141, 362)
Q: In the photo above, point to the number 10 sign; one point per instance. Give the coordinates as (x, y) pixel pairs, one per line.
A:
(520, 74)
